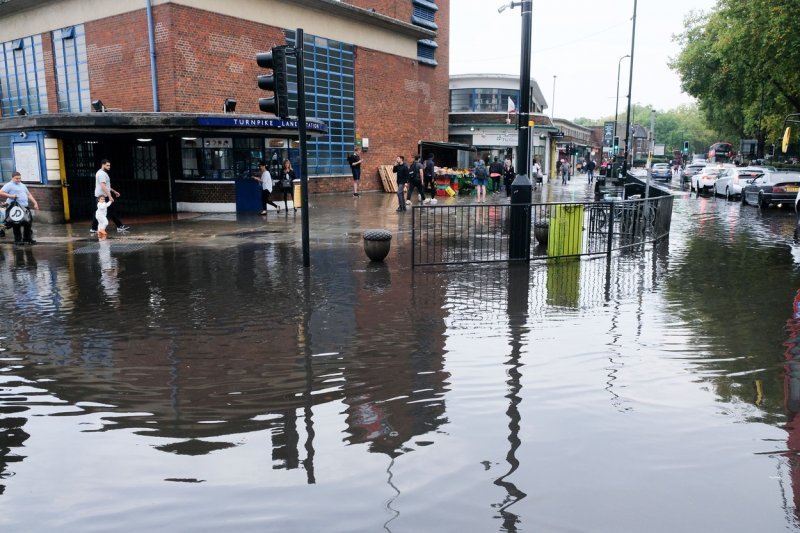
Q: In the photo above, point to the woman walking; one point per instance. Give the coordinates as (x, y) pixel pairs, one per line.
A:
(266, 187)
(287, 187)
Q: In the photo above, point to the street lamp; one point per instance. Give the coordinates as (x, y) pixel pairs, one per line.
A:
(630, 90)
(616, 106)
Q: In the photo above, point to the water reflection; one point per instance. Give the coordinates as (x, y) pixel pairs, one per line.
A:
(387, 389)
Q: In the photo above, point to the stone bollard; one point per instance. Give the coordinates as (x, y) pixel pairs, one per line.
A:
(377, 243)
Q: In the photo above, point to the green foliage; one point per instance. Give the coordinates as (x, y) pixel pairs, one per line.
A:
(740, 62)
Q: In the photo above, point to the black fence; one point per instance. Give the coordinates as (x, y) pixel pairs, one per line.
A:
(481, 233)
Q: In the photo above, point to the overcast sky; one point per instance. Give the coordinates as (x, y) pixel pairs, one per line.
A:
(580, 42)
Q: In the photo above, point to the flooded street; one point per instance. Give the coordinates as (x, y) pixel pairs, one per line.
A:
(211, 386)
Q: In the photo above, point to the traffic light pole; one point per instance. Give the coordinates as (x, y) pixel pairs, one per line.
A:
(301, 119)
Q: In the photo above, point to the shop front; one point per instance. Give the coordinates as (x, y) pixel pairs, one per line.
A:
(161, 163)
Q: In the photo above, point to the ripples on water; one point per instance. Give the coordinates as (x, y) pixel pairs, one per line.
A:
(211, 388)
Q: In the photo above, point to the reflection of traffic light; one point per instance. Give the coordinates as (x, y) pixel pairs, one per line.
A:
(277, 82)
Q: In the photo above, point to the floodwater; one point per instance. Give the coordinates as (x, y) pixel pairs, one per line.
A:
(199, 388)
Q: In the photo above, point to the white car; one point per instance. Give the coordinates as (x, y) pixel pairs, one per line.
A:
(706, 178)
(731, 181)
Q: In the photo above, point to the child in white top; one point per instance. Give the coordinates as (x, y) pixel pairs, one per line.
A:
(102, 215)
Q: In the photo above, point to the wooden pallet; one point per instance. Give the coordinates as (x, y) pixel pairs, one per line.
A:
(388, 178)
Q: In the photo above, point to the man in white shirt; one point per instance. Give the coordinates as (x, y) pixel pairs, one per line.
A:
(102, 187)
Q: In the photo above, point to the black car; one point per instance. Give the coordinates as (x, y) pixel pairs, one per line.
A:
(772, 188)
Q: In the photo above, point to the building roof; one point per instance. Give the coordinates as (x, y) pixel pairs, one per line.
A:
(505, 80)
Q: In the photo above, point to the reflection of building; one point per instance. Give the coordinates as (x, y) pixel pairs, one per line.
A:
(172, 100)
(483, 114)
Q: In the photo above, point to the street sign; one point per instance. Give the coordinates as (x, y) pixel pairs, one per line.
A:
(608, 133)
(558, 134)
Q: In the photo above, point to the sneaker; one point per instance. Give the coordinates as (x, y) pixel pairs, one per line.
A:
(92, 231)
(264, 212)
(399, 209)
(123, 228)
(31, 242)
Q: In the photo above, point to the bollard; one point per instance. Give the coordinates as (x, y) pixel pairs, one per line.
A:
(297, 197)
(377, 243)
(519, 246)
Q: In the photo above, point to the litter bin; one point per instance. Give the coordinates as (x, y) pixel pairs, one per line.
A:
(297, 198)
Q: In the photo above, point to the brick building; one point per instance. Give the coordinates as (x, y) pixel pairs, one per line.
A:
(145, 84)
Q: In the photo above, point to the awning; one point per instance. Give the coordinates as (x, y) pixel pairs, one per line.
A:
(113, 123)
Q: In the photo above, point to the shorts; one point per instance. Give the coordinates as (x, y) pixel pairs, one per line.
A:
(479, 182)
(356, 173)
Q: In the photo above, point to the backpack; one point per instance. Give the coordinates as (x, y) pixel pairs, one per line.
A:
(480, 171)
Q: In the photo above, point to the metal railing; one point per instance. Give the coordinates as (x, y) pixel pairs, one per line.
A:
(481, 233)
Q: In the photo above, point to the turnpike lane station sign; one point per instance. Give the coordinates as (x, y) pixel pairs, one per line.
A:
(266, 123)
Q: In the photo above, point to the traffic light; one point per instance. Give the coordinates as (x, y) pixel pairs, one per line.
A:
(616, 144)
(277, 82)
(685, 147)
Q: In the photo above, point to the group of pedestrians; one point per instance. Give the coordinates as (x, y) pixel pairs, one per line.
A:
(418, 176)
(285, 181)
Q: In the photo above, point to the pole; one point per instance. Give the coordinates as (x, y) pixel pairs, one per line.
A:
(152, 44)
(523, 139)
(301, 118)
(616, 105)
(630, 89)
(652, 149)
(553, 101)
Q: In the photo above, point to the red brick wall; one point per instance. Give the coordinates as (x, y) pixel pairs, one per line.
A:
(204, 58)
(49, 72)
(397, 9)
(119, 61)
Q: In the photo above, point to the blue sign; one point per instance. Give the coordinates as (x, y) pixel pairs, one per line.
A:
(265, 123)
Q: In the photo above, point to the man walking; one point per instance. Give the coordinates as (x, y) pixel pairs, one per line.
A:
(102, 187)
(590, 170)
(415, 178)
(428, 169)
(401, 170)
(16, 191)
(355, 166)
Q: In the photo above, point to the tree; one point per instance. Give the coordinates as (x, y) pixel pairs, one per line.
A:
(740, 63)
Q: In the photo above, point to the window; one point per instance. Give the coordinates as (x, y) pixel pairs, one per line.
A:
(6, 162)
(423, 14)
(145, 163)
(72, 71)
(482, 100)
(330, 97)
(22, 83)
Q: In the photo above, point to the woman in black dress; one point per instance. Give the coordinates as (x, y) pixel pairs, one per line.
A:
(287, 187)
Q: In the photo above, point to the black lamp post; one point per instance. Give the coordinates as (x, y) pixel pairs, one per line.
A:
(616, 104)
(521, 195)
(630, 88)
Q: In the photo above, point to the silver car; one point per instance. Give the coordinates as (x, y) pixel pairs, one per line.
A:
(731, 181)
(706, 178)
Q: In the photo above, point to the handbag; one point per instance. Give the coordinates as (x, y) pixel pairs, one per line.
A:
(286, 183)
(16, 214)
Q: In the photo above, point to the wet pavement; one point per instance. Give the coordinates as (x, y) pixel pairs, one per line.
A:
(190, 374)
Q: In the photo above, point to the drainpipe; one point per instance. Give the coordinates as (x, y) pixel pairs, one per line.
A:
(151, 33)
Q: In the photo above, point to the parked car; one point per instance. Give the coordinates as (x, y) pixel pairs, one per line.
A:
(661, 170)
(772, 188)
(731, 181)
(705, 178)
(689, 171)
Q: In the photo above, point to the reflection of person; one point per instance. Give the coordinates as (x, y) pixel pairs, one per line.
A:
(355, 166)
(15, 190)
(102, 187)
(102, 214)
(108, 271)
(401, 170)
(266, 187)
(287, 173)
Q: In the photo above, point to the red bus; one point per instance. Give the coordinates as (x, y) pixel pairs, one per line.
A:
(721, 152)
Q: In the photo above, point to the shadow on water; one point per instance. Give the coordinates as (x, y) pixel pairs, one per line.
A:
(189, 349)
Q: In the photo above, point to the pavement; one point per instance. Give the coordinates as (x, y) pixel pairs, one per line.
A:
(332, 217)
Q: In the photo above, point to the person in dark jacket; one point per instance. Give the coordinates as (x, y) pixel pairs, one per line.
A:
(496, 172)
(287, 187)
(508, 175)
(415, 179)
(428, 171)
(401, 171)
